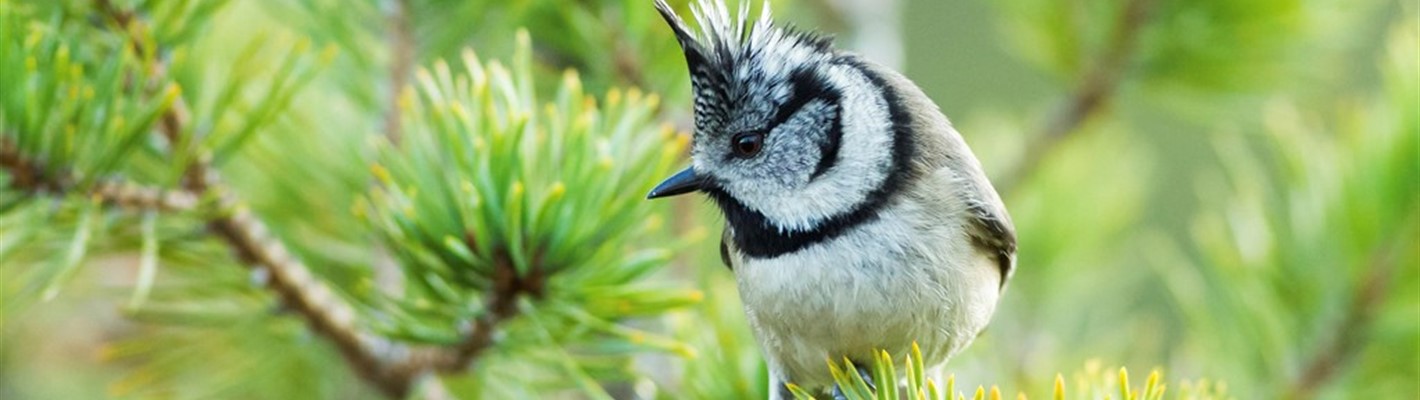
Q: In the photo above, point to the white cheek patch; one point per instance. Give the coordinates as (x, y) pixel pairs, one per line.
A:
(864, 162)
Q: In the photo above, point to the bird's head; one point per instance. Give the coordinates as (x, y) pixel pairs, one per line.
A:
(791, 136)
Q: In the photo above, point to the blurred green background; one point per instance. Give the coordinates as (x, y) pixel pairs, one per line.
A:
(1224, 190)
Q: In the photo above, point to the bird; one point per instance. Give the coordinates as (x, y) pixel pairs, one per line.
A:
(857, 219)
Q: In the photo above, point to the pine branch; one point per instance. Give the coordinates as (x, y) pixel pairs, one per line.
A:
(1098, 87)
(387, 273)
(29, 176)
(627, 66)
(402, 58)
(390, 366)
(501, 305)
(26, 174)
(1367, 299)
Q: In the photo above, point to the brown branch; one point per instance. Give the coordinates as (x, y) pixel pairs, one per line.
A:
(1097, 87)
(29, 176)
(389, 366)
(402, 58)
(121, 18)
(388, 276)
(384, 363)
(501, 304)
(134, 196)
(1355, 326)
(626, 65)
(625, 62)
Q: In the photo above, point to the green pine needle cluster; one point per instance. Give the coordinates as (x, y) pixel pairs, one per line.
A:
(497, 202)
(73, 106)
(1092, 382)
(489, 183)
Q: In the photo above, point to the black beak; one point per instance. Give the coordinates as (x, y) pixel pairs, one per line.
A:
(682, 182)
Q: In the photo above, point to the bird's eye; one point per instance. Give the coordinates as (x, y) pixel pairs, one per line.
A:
(747, 144)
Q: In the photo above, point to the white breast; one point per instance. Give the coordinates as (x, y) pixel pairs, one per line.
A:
(910, 275)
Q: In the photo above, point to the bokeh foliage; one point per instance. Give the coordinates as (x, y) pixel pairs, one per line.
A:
(1239, 203)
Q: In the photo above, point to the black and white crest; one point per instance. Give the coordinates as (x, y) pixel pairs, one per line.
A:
(733, 59)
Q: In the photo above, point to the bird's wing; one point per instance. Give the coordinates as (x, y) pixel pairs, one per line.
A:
(991, 228)
(940, 146)
(986, 222)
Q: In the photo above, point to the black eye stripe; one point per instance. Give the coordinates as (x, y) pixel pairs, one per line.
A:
(807, 87)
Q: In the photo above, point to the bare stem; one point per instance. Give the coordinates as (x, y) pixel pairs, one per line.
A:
(402, 57)
(29, 176)
(1351, 331)
(1096, 88)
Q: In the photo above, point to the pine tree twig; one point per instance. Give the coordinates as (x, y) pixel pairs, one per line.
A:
(390, 366)
(1097, 87)
(388, 276)
(29, 176)
(140, 197)
(1350, 333)
(625, 61)
(402, 57)
(501, 304)
(121, 18)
